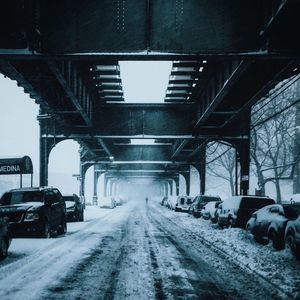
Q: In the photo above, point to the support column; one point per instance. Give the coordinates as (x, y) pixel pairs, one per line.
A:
(170, 182)
(82, 180)
(166, 188)
(201, 167)
(111, 182)
(97, 174)
(177, 184)
(187, 177)
(105, 185)
(44, 160)
(243, 148)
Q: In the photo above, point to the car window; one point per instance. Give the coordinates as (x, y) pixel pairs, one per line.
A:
(19, 197)
(291, 211)
(69, 198)
(182, 201)
(188, 201)
(255, 203)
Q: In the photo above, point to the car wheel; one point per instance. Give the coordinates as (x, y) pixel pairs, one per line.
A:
(62, 229)
(46, 230)
(277, 243)
(261, 240)
(3, 249)
(291, 243)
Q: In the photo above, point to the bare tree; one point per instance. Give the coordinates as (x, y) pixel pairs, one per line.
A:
(221, 163)
(272, 139)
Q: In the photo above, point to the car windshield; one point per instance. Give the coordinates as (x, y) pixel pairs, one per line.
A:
(69, 198)
(19, 197)
(210, 199)
(189, 201)
(255, 203)
(291, 211)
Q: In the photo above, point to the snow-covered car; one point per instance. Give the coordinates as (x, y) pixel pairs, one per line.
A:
(292, 236)
(237, 210)
(74, 208)
(107, 202)
(171, 202)
(199, 202)
(164, 201)
(183, 203)
(5, 238)
(209, 211)
(34, 211)
(118, 200)
(269, 223)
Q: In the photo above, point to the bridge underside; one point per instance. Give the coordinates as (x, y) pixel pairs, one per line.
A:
(226, 56)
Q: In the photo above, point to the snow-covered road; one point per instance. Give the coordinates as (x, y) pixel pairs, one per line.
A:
(134, 252)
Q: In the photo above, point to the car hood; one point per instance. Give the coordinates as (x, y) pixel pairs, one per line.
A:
(21, 207)
(70, 204)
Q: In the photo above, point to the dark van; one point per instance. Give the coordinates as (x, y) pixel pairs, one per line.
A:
(237, 210)
(34, 211)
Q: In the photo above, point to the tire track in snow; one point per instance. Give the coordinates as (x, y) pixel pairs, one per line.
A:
(197, 284)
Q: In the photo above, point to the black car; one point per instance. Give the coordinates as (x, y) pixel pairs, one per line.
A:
(74, 208)
(269, 223)
(199, 202)
(34, 211)
(5, 238)
(292, 236)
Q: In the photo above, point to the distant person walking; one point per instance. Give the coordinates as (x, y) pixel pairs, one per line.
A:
(147, 200)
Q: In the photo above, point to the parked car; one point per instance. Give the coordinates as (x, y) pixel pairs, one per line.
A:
(237, 210)
(171, 202)
(164, 201)
(292, 236)
(107, 202)
(34, 211)
(210, 211)
(74, 208)
(183, 203)
(5, 238)
(199, 202)
(118, 200)
(269, 223)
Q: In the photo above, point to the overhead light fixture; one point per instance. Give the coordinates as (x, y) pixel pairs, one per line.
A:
(204, 61)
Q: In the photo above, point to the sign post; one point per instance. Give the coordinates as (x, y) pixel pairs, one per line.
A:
(12, 166)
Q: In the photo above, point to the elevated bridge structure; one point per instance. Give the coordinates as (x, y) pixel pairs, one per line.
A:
(226, 55)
